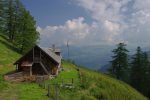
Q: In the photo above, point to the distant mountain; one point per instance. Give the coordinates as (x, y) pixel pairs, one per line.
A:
(93, 57)
(104, 69)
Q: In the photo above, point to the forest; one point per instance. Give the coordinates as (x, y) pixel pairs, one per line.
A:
(18, 25)
(134, 70)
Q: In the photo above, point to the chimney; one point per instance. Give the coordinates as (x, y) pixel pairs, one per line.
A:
(53, 47)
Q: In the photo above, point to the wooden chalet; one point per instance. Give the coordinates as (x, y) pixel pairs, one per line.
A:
(38, 61)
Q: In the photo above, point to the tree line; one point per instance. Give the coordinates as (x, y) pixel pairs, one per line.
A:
(134, 70)
(18, 25)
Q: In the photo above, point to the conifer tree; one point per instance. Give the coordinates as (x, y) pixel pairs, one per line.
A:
(140, 72)
(19, 25)
(136, 69)
(119, 64)
(1, 15)
(145, 75)
(27, 36)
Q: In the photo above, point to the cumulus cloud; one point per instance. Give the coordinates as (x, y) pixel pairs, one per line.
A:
(127, 19)
(113, 21)
(73, 30)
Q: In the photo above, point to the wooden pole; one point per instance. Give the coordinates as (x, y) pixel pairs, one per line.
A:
(56, 91)
(68, 49)
(72, 81)
(62, 82)
(48, 90)
(30, 70)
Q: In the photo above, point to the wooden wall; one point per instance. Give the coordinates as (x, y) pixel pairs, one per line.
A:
(48, 62)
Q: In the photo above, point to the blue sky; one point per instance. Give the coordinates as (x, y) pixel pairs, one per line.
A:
(91, 22)
(54, 12)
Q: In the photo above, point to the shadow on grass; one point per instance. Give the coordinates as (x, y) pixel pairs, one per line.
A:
(9, 46)
(4, 37)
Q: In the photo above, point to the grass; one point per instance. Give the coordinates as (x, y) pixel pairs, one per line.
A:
(88, 85)
(31, 91)
(94, 86)
(102, 87)
(15, 91)
(23, 91)
(68, 74)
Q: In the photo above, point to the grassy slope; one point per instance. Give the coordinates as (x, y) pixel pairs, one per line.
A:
(94, 85)
(15, 91)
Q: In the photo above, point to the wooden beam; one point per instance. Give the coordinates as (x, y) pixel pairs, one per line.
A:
(33, 54)
(40, 55)
(46, 71)
(30, 70)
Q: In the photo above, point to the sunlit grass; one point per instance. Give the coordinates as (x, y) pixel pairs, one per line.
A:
(90, 85)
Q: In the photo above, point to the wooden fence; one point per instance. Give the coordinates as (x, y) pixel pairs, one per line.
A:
(54, 90)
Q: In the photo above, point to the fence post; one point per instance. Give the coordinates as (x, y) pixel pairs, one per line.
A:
(43, 85)
(56, 89)
(40, 84)
(80, 74)
(48, 90)
(62, 81)
(72, 81)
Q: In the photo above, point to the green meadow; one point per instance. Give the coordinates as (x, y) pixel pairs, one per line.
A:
(87, 84)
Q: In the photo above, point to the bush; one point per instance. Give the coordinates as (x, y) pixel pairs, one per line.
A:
(84, 97)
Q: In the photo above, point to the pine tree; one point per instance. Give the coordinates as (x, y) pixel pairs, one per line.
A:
(10, 18)
(140, 72)
(119, 68)
(147, 90)
(136, 69)
(11, 14)
(2, 4)
(145, 75)
(19, 25)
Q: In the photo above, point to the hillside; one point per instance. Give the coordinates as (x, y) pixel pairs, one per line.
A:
(88, 85)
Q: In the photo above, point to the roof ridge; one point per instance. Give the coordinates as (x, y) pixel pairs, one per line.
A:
(52, 54)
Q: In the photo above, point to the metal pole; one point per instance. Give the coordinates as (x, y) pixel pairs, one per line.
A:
(68, 49)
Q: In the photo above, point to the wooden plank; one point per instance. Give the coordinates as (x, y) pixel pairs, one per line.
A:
(40, 55)
(46, 71)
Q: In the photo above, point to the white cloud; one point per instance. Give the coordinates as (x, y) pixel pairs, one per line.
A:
(113, 21)
(127, 20)
(73, 30)
(112, 27)
(102, 10)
